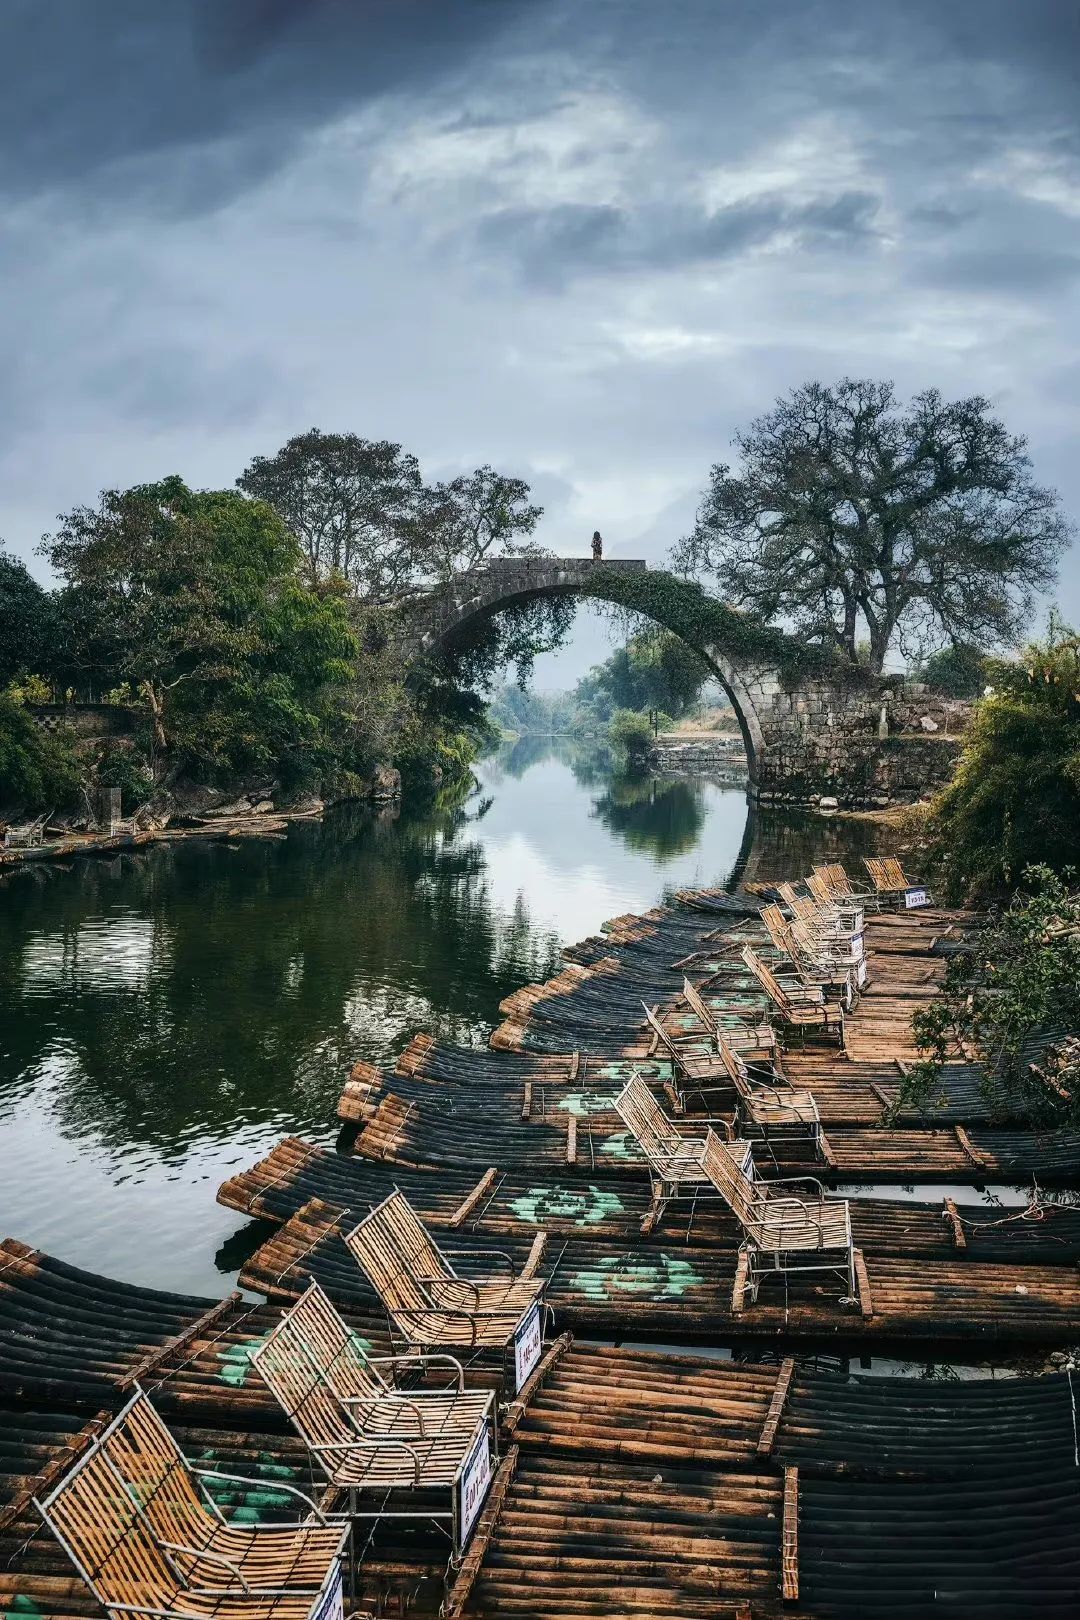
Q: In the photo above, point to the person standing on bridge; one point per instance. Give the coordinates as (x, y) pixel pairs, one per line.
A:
(597, 546)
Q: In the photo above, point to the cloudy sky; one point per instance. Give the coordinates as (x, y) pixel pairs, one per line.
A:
(584, 242)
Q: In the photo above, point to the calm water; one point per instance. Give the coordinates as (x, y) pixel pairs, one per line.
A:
(165, 1018)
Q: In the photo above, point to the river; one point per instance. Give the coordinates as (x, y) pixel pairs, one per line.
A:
(166, 1017)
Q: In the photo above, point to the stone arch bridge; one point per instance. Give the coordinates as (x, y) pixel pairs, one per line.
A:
(807, 737)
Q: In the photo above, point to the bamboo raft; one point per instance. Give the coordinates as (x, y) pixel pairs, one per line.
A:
(634, 1483)
(746, 1491)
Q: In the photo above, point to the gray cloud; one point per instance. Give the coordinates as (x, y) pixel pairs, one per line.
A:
(583, 243)
(184, 104)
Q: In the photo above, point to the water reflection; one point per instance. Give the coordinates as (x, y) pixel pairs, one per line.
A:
(167, 1017)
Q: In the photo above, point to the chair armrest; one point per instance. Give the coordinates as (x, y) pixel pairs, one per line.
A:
(418, 1359)
(262, 1485)
(473, 1253)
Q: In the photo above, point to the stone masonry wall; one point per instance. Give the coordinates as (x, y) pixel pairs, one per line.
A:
(863, 743)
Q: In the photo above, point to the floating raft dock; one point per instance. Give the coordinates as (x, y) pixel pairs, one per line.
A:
(521, 1143)
(638, 1483)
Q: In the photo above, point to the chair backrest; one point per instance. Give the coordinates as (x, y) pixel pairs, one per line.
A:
(144, 1453)
(737, 1072)
(837, 881)
(896, 874)
(732, 1176)
(661, 1034)
(646, 1121)
(700, 1010)
(310, 1362)
(778, 928)
(878, 873)
(800, 905)
(820, 889)
(108, 1537)
(394, 1250)
(767, 980)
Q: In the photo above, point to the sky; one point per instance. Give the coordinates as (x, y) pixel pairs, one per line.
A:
(585, 243)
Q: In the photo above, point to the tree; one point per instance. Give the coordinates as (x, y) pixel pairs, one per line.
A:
(350, 503)
(460, 523)
(1013, 999)
(39, 771)
(361, 510)
(654, 670)
(1015, 798)
(958, 671)
(27, 622)
(195, 599)
(920, 523)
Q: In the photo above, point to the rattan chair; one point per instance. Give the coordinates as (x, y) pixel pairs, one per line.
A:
(800, 1007)
(370, 1437)
(782, 1232)
(130, 1518)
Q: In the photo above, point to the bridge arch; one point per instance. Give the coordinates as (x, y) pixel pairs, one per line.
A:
(748, 676)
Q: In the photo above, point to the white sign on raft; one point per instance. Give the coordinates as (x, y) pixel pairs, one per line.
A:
(329, 1605)
(473, 1483)
(915, 897)
(528, 1342)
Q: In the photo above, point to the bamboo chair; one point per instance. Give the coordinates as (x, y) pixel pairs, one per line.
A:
(694, 1074)
(842, 889)
(751, 1038)
(891, 882)
(782, 1232)
(674, 1158)
(814, 960)
(109, 1535)
(801, 1007)
(369, 1436)
(428, 1305)
(145, 1456)
(827, 923)
(850, 915)
(770, 1109)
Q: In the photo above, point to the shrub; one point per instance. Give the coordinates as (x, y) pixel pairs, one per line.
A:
(39, 770)
(630, 734)
(1013, 1000)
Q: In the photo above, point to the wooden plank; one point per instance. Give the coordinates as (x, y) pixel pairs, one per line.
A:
(862, 1283)
(526, 1100)
(575, 1066)
(790, 1543)
(458, 1595)
(651, 1216)
(767, 1437)
(959, 1235)
(535, 1255)
(826, 1151)
(467, 1205)
(969, 1147)
(571, 1139)
(738, 1293)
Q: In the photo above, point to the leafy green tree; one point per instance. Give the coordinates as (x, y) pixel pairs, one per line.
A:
(655, 670)
(195, 599)
(1014, 1000)
(1015, 798)
(920, 522)
(958, 671)
(352, 504)
(27, 622)
(39, 770)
